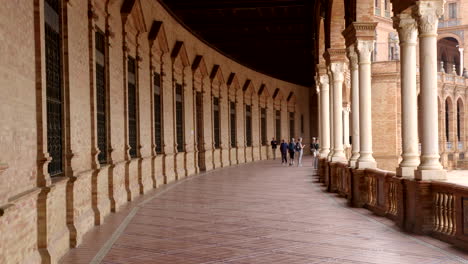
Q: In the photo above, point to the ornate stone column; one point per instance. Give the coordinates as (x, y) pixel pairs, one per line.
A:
(325, 115)
(346, 110)
(407, 30)
(427, 13)
(364, 50)
(330, 115)
(337, 69)
(462, 54)
(353, 65)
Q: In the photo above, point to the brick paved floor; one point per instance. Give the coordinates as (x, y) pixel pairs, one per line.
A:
(257, 213)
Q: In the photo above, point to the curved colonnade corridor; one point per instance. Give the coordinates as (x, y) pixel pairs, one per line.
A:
(254, 213)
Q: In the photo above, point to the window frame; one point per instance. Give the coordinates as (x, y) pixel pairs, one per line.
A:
(180, 117)
(158, 113)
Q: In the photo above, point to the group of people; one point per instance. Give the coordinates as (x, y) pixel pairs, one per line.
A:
(293, 147)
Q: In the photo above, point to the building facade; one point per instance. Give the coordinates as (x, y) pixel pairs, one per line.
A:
(106, 100)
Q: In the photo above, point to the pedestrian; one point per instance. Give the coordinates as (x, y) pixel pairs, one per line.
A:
(274, 144)
(284, 152)
(314, 150)
(292, 150)
(300, 151)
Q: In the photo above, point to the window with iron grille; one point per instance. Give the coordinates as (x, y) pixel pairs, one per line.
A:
(292, 131)
(447, 121)
(233, 124)
(132, 107)
(216, 121)
(101, 97)
(263, 126)
(458, 122)
(453, 10)
(54, 86)
(180, 118)
(278, 125)
(157, 113)
(248, 125)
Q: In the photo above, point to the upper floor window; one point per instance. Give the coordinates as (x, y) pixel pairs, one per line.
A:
(278, 125)
(54, 88)
(157, 113)
(132, 107)
(248, 125)
(216, 123)
(101, 97)
(263, 126)
(180, 118)
(292, 125)
(233, 124)
(452, 10)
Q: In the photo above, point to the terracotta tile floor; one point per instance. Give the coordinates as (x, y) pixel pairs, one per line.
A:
(257, 213)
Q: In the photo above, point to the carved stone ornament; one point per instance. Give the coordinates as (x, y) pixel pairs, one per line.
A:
(353, 57)
(427, 14)
(365, 48)
(407, 29)
(337, 69)
(324, 82)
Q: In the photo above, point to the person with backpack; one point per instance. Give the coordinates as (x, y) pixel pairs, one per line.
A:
(314, 147)
(284, 152)
(300, 151)
(274, 145)
(292, 150)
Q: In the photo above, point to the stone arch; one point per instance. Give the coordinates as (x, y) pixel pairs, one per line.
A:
(133, 16)
(450, 35)
(278, 98)
(179, 56)
(449, 122)
(233, 86)
(249, 91)
(217, 80)
(448, 53)
(263, 95)
(336, 24)
(199, 72)
(460, 120)
(157, 39)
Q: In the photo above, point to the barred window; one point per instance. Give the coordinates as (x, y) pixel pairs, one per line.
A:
(292, 131)
(157, 113)
(180, 118)
(54, 87)
(233, 124)
(278, 124)
(101, 97)
(132, 107)
(248, 125)
(263, 126)
(216, 121)
(452, 10)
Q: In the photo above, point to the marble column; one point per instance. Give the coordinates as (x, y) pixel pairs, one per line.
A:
(330, 109)
(325, 115)
(337, 69)
(407, 30)
(319, 110)
(426, 14)
(462, 53)
(346, 110)
(364, 49)
(353, 65)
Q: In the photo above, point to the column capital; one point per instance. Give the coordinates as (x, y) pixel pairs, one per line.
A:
(337, 70)
(461, 50)
(324, 82)
(352, 57)
(364, 49)
(427, 14)
(407, 28)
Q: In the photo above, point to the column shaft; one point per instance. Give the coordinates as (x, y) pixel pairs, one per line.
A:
(407, 30)
(365, 48)
(331, 103)
(353, 61)
(427, 13)
(325, 115)
(337, 69)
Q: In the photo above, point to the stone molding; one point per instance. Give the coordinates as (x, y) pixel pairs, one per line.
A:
(427, 14)
(359, 31)
(352, 57)
(407, 29)
(364, 49)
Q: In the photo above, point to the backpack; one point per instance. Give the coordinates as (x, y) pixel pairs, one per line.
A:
(297, 147)
(291, 146)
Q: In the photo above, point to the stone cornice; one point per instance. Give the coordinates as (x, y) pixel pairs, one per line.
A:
(359, 30)
(336, 55)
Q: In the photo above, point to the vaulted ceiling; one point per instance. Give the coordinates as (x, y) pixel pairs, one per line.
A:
(275, 37)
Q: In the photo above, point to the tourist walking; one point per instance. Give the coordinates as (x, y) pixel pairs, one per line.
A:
(300, 151)
(274, 145)
(314, 150)
(284, 152)
(292, 150)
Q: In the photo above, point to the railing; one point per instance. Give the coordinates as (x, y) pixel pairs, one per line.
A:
(444, 213)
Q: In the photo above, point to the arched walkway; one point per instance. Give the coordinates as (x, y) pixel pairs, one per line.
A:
(256, 213)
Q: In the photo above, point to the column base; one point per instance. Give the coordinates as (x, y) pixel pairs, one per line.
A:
(352, 164)
(338, 159)
(366, 165)
(428, 175)
(406, 172)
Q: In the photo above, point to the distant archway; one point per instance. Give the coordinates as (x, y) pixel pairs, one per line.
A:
(448, 53)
